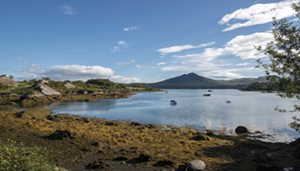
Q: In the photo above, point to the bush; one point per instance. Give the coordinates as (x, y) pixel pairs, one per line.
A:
(14, 157)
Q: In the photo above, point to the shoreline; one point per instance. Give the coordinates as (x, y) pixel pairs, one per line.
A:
(125, 145)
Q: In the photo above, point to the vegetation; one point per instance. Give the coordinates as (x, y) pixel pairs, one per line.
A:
(93, 85)
(259, 86)
(15, 157)
(284, 55)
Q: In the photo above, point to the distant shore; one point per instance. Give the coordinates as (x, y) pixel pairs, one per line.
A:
(78, 143)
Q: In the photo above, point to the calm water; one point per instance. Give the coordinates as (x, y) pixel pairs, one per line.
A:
(253, 109)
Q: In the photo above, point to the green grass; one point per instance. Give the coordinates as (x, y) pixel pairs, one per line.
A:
(16, 157)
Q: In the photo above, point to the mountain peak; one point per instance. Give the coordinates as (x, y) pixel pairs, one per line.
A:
(192, 74)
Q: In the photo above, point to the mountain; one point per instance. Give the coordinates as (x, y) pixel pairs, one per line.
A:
(194, 81)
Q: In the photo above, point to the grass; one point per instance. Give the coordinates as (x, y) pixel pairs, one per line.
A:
(16, 157)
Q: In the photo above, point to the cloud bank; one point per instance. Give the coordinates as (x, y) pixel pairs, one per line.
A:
(75, 72)
(179, 48)
(258, 14)
(208, 62)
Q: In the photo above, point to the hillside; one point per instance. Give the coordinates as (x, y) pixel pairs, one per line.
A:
(194, 81)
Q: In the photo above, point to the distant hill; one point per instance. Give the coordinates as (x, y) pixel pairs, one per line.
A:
(194, 81)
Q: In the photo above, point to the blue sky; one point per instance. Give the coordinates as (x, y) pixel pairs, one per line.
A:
(135, 40)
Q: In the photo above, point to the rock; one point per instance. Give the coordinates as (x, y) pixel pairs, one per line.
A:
(121, 158)
(46, 90)
(108, 123)
(241, 130)
(210, 133)
(196, 165)
(95, 143)
(19, 114)
(6, 81)
(201, 137)
(34, 94)
(52, 117)
(59, 135)
(96, 165)
(69, 85)
(82, 92)
(141, 159)
(44, 81)
(163, 163)
(135, 124)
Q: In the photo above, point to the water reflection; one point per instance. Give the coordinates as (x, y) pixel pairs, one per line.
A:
(252, 109)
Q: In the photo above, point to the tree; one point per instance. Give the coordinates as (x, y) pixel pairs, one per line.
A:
(284, 55)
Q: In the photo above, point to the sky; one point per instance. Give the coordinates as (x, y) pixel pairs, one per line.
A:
(135, 40)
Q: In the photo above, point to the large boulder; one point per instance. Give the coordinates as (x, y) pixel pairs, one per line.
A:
(46, 90)
(69, 85)
(5, 81)
(196, 165)
(241, 130)
(59, 135)
(200, 137)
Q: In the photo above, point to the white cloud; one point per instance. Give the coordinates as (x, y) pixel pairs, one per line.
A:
(122, 79)
(138, 66)
(243, 46)
(207, 55)
(208, 62)
(74, 72)
(222, 74)
(126, 63)
(243, 64)
(120, 45)
(179, 48)
(258, 14)
(132, 28)
(160, 63)
(68, 9)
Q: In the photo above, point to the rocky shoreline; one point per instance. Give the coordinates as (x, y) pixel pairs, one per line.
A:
(78, 143)
(30, 101)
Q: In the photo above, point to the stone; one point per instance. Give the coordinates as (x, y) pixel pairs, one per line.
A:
(95, 143)
(96, 165)
(69, 85)
(59, 135)
(201, 137)
(140, 159)
(135, 124)
(163, 163)
(196, 165)
(5, 81)
(46, 90)
(120, 158)
(19, 114)
(241, 130)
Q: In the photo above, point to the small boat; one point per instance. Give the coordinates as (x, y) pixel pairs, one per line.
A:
(209, 90)
(228, 101)
(173, 103)
(206, 95)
